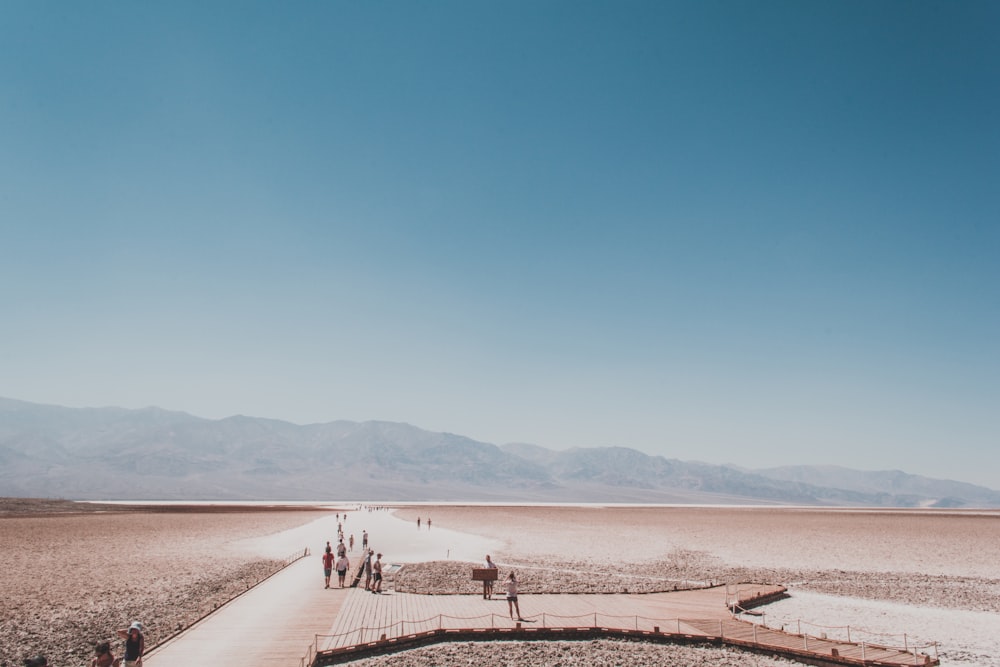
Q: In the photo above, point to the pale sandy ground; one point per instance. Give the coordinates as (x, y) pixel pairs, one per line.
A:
(70, 580)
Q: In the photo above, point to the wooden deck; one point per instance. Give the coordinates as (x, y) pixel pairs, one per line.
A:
(271, 625)
(370, 624)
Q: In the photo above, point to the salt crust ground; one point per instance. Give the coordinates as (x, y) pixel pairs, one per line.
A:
(600, 653)
(71, 578)
(931, 559)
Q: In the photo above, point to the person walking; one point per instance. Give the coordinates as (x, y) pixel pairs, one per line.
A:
(135, 645)
(342, 565)
(328, 565)
(351, 542)
(364, 540)
(512, 597)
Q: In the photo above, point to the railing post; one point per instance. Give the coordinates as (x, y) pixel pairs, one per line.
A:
(905, 645)
(754, 633)
(678, 625)
(863, 658)
(721, 633)
(805, 641)
(848, 634)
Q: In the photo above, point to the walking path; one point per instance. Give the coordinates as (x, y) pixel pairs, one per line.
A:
(271, 625)
(291, 615)
(274, 623)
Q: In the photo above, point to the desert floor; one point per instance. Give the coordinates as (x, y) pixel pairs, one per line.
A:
(70, 577)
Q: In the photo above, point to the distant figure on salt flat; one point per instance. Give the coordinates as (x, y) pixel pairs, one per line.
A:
(418, 523)
(428, 523)
(364, 539)
(351, 542)
(512, 597)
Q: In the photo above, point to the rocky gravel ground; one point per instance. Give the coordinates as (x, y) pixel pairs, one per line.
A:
(597, 653)
(686, 569)
(71, 578)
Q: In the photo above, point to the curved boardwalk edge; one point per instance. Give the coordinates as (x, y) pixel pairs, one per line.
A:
(371, 625)
(835, 655)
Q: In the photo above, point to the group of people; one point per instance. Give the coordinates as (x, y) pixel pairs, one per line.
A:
(510, 584)
(135, 646)
(340, 562)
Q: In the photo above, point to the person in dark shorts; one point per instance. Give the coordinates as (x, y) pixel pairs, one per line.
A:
(328, 565)
(512, 597)
(342, 566)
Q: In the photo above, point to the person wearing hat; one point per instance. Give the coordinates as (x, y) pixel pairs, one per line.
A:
(135, 644)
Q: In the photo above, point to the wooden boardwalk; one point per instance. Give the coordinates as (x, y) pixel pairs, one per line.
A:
(370, 624)
(271, 625)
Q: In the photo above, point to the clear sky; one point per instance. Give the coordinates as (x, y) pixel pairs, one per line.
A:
(759, 233)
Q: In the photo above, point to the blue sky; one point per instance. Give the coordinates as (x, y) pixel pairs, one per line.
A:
(756, 233)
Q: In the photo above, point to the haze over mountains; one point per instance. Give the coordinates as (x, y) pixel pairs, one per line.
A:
(114, 453)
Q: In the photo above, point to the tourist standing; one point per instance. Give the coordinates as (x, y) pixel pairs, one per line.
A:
(351, 542)
(368, 570)
(135, 644)
(488, 583)
(377, 574)
(512, 597)
(364, 539)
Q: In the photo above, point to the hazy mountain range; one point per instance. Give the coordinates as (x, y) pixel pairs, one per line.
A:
(113, 453)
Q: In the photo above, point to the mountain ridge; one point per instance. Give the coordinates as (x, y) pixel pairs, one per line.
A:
(155, 454)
